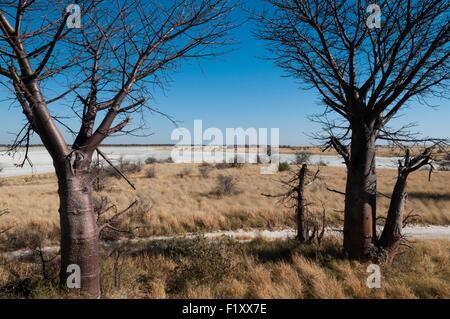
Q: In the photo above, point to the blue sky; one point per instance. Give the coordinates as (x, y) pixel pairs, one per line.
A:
(241, 89)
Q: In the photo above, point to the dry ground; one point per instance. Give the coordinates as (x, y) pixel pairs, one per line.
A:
(171, 204)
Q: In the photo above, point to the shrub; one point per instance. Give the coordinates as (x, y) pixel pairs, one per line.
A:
(223, 165)
(282, 167)
(302, 158)
(225, 185)
(237, 163)
(201, 261)
(260, 159)
(205, 169)
(151, 160)
(206, 164)
(443, 166)
(138, 214)
(99, 175)
(154, 160)
(129, 167)
(125, 222)
(184, 173)
(125, 167)
(150, 172)
(29, 235)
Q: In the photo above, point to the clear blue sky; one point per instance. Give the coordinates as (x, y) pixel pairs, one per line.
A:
(241, 89)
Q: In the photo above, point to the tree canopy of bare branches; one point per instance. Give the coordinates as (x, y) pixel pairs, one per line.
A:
(103, 73)
(364, 77)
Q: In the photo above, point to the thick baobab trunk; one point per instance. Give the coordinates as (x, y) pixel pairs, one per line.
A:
(301, 204)
(392, 231)
(79, 231)
(360, 194)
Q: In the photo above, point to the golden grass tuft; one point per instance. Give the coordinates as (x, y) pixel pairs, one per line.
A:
(321, 285)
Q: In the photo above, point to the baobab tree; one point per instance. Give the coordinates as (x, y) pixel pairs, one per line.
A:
(309, 228)
(365, 72)
(103, 73)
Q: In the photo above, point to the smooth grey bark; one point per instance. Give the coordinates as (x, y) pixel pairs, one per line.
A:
(392, 232)
(360, 194)
(79, 230)
(391, 235)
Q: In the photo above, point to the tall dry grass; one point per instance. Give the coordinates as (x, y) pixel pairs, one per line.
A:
(169, 204)
(199, 268)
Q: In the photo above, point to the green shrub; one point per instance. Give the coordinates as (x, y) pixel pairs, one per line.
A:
(282, 167)
(202, 261)
(302, 158)
(151, 160)
(238, 162)
(124, 166)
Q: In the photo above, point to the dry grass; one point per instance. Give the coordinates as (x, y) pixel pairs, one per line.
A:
(170, 204)
(198, 268)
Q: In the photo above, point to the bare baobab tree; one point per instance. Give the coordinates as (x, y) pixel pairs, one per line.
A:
(391, 235)
(309, 228)
(102, 73)
(364, 74)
